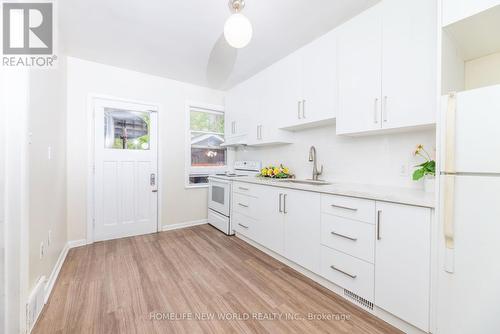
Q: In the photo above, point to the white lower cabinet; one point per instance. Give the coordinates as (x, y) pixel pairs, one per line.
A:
(376, 250)
(301, 228)
(349, 236)
(402, 262)
(348, 272)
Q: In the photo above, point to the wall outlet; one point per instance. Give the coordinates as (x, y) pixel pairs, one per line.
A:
(49, 238)
(49, 153)
(42, 250)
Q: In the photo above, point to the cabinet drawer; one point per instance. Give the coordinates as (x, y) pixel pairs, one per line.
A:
(246, 189)
(349, 236)
(349, 207)
(348, 272)
(246, 205)
(244, 225)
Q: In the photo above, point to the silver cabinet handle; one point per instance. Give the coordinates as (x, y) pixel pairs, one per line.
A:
(343, 236)
(344, 207)
(385, 109)
(279, 206)
(244, 226)
(258, 132)
(375, 111)
(284, 204)
(303, 108)
(379, 212)
(343, 272)
(243, 205)
(298, 110)
(241, 188)
(152, 179)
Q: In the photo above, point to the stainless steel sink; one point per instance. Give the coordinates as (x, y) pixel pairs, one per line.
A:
(311, 182)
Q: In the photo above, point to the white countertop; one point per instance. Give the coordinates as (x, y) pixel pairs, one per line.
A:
(380, 193)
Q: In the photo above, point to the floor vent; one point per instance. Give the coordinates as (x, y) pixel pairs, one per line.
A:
(35, 303)
(359, 300)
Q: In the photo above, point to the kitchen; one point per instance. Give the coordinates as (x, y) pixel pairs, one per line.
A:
(338, 180)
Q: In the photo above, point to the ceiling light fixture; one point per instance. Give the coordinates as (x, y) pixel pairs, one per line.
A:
(237, 29)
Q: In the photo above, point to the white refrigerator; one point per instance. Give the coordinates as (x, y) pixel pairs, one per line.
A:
(469, 257)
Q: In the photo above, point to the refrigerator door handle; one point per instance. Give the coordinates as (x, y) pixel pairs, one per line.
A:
(449, 219)
(449, 163)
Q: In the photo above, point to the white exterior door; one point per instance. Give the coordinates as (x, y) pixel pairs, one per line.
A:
(126, 178)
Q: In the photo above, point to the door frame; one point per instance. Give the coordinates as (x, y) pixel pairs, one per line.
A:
(92, 98)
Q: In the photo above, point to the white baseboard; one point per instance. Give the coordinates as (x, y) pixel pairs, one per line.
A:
(57, 268)
(76, 243)
(184, 225)
(55, 272)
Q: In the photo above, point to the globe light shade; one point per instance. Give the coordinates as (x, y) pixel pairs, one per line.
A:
(238, 31)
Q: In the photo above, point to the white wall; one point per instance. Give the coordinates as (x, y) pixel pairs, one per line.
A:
(14, 87)
(86, 78)
(481, 72)
(368, 160)
(47, 177)
(453, 67)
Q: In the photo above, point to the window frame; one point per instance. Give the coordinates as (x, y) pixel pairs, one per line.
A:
(190, 170)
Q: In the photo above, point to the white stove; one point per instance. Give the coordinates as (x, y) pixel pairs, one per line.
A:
(219, 194)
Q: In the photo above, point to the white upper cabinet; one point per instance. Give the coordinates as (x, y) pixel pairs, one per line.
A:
(387, 67)
(456, 10)
(409, 63)
(262, 95)
(360, 73)
(319, 79)
(313, 98)
(402, 262)
(236, 116)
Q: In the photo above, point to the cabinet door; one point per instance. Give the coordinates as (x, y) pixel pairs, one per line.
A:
(236, 110)
(302, 228)
(360, 73)
(409, 63)
(402, 262)
(282, 89)
(270, 231)
(319, 79)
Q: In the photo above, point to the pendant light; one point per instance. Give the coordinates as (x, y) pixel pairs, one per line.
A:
(237, 29)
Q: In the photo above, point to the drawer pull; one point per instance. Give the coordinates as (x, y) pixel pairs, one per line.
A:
(343, 272)
(243, 205)
(344, 207)
(343, 236)
(241, 188)
(243, 226)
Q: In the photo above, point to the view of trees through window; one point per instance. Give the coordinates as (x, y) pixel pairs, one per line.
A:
(207, 136)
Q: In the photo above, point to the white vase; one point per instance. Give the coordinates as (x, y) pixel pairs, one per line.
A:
(429, 184)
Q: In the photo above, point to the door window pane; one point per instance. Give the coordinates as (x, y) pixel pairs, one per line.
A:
(126, 130)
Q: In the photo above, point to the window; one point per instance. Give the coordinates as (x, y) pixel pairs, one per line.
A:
(206, 156)
(126, 130)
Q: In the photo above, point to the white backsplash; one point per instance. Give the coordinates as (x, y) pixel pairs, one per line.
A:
(374, 159)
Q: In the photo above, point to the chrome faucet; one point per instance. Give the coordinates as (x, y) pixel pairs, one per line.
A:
(313, 158)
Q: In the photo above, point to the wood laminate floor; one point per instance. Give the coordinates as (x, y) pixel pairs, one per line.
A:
(175, 282)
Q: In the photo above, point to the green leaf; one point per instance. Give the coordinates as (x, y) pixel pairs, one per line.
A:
(418, 174)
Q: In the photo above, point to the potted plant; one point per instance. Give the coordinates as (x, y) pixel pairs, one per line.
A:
(425, 170)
